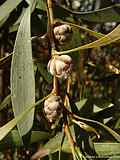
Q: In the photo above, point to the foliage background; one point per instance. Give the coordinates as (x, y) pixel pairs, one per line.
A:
(95, 89)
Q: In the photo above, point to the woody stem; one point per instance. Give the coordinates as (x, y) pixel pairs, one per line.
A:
(51, 35)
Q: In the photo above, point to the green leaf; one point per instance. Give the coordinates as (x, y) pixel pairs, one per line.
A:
(115, 157)
(78, 154)
(5, 61)
(102, 103)
(9, 126)
(81, 103)
(22, 75)
(117, 125)
(3, 20)
(96, 108)
(12, 139)
(102, 149)
(91, 32)
(4, 130)
(86, 127)
(108, 14)
(15, 26)
(39, 136)
(107, 149)
(16, 139)
(6, 102)
(112, 132)
(105, 40)
(54, 143)
(7, 7)
(52, 146)
(41, 5)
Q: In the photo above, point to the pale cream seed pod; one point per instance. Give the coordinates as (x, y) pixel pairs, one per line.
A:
(60, 66)
(62, 33)
(53, 107)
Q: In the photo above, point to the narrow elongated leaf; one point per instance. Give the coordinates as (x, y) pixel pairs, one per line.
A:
(91, 32)
(10, 125)
(5, 61)
(7, 7)
(13, 139)
(4, 130)
(54, 143)
(6, 102)
(112, 132)
(102, 149)
(108, 14)
(3, 20)
(22, 75)
(15, 26)
(105, 40)
(81, 103)
(107, 149)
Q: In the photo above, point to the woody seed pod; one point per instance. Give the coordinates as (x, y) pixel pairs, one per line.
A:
(60, 66)
(53, 107)
(62, 33)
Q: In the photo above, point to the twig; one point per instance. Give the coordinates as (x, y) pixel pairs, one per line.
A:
(51, 36)
(50, 22)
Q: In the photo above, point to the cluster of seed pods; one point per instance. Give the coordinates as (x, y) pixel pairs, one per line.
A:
(59, 66)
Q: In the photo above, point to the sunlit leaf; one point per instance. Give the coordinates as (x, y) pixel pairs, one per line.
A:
(15, 26)
(107, 149)
(10, 125)
(81, 103)
(22, 75)
(102, 149)
(78, 154)
(4, 130)
(117, 125)
(102, 103)
(105, 40)
(7, 7)
(91, 32)
(3, 20)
